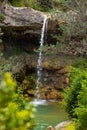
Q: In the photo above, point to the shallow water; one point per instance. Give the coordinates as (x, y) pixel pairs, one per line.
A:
(50, 113)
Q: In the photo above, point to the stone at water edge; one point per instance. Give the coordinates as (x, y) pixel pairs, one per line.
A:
(50, 128)
(62, 124)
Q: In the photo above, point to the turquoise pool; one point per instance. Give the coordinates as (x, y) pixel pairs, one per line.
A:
(50, 113)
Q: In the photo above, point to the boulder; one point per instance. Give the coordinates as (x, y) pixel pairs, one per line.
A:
(21, 16)
(21, 21)
(62, 124)
(22, 27)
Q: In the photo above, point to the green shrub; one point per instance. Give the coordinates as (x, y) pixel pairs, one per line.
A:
(80, 62)
(45, 5)
(72, 15)
(77, 76)
(12, 115)
(76, 98)
(42, 5)
(18, 3)
(32, 84)
(81, 110)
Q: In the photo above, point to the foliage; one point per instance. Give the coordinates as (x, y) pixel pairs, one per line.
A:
(77, 76)
(17, 3)
(11, 64)
(76, 97)
(70, 126)
(81, 110)
(5, 64)
(2, 17)
(78, 26)
(45, 4)
(72, 21)
(42, 5)
(31, 80)
(11, 116)
(50, 49)
(19, 99)
(16, 65)
(80, 62)
(33, 4)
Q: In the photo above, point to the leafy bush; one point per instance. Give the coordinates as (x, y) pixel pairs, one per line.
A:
(45, 5)
(80, 62)
(81, 110)
(77, 76)
(42, 5)
(50, 49)
(5, 64)
(76, 98)
(12, 115)
(32, 84)
(72, 19)
(78, 28)
(17, 3)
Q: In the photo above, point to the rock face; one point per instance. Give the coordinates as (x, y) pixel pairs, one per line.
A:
(22, 27)
(55, 75)
(23, 16)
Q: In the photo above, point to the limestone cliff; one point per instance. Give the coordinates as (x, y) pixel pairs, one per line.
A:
(23, 25)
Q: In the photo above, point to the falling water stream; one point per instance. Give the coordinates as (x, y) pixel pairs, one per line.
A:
(46, 113)
(39, 63)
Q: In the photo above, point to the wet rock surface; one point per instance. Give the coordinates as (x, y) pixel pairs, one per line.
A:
(55, 76)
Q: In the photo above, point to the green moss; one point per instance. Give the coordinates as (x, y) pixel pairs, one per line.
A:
(2, 18)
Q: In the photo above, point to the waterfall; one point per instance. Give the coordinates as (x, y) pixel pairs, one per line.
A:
(39, 63)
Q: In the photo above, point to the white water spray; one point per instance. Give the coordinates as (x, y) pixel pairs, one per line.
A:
(39, 63)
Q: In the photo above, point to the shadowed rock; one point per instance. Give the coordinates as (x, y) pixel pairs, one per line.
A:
(23, 24)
